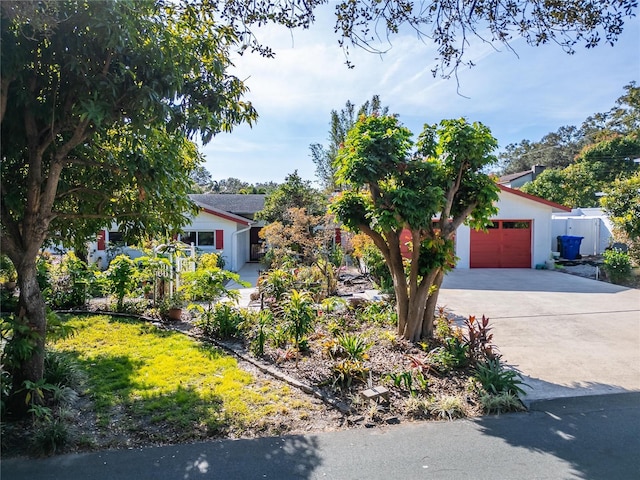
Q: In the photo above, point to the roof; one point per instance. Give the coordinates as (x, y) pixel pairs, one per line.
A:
(555, 206)
(236, 203)
(226, 215)
(513, 176)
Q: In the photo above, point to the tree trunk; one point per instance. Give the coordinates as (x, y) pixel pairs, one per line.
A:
(429, 311)
(417, 307)
(32, 313)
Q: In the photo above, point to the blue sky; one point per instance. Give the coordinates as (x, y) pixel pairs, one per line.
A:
(518, 97)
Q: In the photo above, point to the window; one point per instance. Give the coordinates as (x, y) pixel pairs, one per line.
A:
(189, 238)
(116, 238)
(206, 239)
(516, 225)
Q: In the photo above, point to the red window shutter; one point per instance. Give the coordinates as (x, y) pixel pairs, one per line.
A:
(219, 239)
(101, 240)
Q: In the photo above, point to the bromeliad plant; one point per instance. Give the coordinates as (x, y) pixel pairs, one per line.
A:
(496, 379)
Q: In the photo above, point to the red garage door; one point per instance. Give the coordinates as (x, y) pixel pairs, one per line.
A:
(506, 244)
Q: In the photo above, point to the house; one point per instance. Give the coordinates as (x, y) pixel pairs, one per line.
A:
(225, 225)
(517, 180)
(229, 218)
(521, 235)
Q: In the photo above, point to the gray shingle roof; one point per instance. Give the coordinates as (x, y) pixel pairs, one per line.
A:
(513, 176)
(236, 203)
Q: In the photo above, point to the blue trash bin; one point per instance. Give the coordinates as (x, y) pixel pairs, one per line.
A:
(570, 246)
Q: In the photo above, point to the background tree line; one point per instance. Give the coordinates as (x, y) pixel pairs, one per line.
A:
(582, 162)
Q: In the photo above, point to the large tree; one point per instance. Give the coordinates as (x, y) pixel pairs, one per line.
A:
(98, 102)
(392, 194)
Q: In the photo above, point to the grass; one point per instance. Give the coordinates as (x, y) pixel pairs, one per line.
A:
(153, 382)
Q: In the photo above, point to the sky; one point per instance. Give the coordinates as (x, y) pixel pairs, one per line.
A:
(521, 95)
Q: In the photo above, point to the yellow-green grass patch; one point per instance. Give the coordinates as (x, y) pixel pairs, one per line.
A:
(147, 377)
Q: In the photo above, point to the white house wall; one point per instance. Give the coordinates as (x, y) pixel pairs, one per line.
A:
(235, 251)
(514, 207)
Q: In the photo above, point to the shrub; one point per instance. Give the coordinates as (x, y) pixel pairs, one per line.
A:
(222, 321)
(617, 264)
(495, 378)
(413, 381)
(121, 278)
(61, 369)
(347, 371)
(454, 353)
(262, 328)
(67, 283)
(479, 339)
(275, 283)
(416, 407)
(51, 435)
(448, 407)
(379, 313)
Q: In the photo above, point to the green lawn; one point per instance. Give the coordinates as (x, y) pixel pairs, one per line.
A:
(167, 386)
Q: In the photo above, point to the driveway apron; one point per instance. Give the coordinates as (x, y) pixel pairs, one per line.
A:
(568, 335)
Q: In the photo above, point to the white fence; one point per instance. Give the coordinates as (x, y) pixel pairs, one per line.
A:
(590, 223)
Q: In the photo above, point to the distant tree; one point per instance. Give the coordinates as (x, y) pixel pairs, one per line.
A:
(266, 187)
(555, 150)
(389, 191)
(294, 192)
(560, 149)
(341, 122)
(201, 178)
(228, 185)
(550, 185)
(623, 118)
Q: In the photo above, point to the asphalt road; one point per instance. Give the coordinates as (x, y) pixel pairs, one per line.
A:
(572, 438)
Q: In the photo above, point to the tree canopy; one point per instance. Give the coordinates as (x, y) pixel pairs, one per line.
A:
(453, 26)
(595, 168)
(393, 193)
(99, 103)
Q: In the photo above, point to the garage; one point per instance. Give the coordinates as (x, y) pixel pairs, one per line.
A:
(505, 244)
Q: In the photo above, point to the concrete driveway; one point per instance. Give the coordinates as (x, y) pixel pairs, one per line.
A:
(569, 336)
